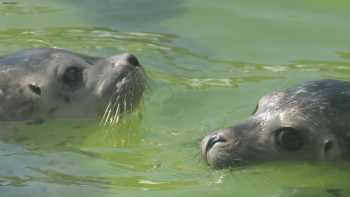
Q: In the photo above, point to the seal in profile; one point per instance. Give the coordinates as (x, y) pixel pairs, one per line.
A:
(47, 83)
(307, 122)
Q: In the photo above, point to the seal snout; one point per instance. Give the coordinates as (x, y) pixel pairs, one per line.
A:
(126, 59)
(211, 144)
(212, 140)
(132, 59)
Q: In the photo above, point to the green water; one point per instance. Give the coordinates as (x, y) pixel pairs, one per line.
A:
(207, 62)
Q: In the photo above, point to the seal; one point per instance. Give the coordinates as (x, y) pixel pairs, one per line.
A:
(45, 83)
(307, 122)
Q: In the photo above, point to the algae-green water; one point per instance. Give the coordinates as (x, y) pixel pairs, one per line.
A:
(207, 64)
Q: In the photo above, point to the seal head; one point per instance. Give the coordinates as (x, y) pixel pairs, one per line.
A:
(55, 83)
(307, 122)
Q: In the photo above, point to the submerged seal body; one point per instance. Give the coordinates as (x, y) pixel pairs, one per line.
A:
(55, 83)
(307, 122)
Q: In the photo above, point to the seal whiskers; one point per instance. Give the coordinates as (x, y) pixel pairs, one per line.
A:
(105, 114)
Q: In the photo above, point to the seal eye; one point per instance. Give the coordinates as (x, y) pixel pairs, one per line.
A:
(290, 139)
(73, 77)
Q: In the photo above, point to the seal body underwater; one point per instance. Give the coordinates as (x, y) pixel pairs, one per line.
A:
(47, 83)
(307, 122)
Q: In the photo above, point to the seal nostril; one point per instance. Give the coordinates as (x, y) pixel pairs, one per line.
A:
(212, 141)
(35, 89)
(131, 59)
(328, 146)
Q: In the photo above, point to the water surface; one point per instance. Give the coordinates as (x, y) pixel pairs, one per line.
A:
(208, 62)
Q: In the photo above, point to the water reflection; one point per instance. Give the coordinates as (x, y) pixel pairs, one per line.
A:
(8, 8)
(71, 135)
(129, 15)
(164, 60)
